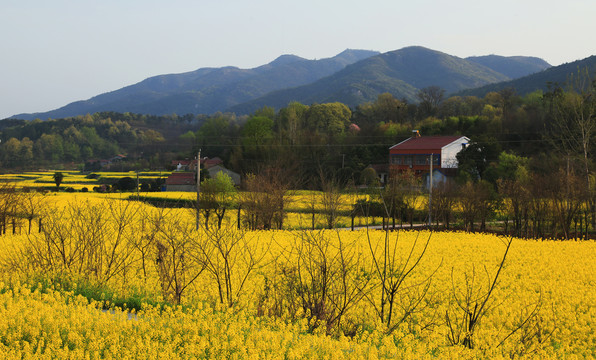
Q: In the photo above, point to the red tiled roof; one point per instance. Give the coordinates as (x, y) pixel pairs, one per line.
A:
(181, 178)
(425, 142)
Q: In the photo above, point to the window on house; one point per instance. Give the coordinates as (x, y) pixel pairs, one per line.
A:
(407, 160)
(421, 159)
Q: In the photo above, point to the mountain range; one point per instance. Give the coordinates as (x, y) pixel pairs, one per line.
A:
(402, 73)
(539, 81)
(351, 77)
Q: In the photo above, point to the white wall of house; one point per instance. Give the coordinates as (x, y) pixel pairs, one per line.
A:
(449, 152)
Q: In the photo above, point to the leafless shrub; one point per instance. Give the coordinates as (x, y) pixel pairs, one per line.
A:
(265, 199)
(82, 240)
(398, 298)
(477, 202)
(444, 199)
(321, 278)
(568, 196)
(229, 259)
(8, 205)
(331, 201)
(468, 306)
(30, 205)
(531, 330)
(174, 247)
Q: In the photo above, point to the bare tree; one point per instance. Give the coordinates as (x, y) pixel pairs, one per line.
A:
(478, 201)
(468, 306)
(8, 204)
(144, 240)
(321, 278)
(229, 259)
(410, 187)
(331, 201)
(539, 205)
(174, 249)
(430, 99)
(265, 199)
(516, 202)
(84, 239)
(393, 199)
(567, 196)
(31, 204)
(398, 299)
(444, 200)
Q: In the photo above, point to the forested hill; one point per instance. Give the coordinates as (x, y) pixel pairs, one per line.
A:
(513, 66)
(401, 73)
(560, 75)
(207, 90)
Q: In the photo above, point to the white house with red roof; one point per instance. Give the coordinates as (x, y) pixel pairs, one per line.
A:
(414, 154)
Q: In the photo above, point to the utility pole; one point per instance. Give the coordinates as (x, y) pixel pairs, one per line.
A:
(198, 185)
(430, 192)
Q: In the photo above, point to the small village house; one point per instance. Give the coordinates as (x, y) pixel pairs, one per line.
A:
(184, 177)
(414, 154)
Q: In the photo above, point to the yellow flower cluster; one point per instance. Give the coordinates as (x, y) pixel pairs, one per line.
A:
(258, 294)
(51, 325)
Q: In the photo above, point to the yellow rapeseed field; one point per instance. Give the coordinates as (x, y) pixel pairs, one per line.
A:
(235, 294)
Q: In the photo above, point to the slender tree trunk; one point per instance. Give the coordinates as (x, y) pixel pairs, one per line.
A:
(239, 215)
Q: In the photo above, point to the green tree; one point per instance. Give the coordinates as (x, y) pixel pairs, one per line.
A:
(290, 122)
(257, 131)
(216, 196)
(266, 111)
(474, 160)
(58, 177)
(215, 136)
(126, 184)
(329, 120)
(26, 150)
(188, 137)
(11, 149)
(512, 167)
(50, 147)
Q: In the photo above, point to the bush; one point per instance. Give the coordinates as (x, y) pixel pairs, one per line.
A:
(126, 184)
(145, 187)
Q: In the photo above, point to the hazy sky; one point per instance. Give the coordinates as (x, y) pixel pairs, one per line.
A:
(56, 52)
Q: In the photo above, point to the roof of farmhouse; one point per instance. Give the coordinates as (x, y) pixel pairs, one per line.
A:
(427, 142)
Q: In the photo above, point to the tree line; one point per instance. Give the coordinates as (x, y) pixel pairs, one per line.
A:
(551, 132)
(328, 135)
